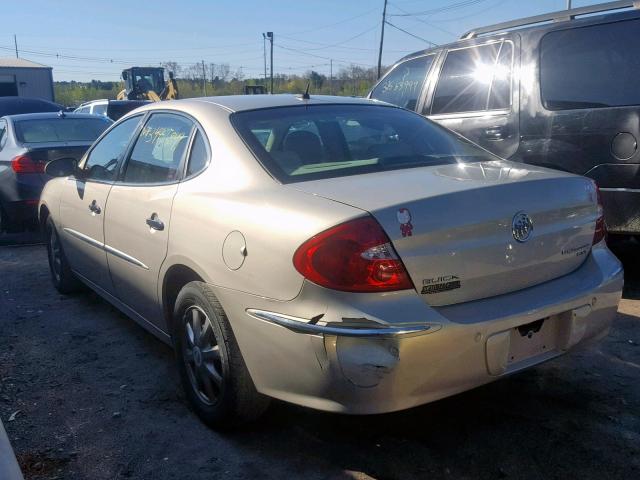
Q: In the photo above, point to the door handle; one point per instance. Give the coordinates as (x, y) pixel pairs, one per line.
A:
(95, 208)
(495, 133)
(155, 222)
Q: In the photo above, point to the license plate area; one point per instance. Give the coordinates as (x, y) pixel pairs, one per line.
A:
(533, 339)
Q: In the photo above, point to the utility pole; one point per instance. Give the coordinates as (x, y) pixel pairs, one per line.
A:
(204, 80)
(331, 76)
(264, 54)
(15, 42)
(568, 4)
(384, 20)
(270, 37)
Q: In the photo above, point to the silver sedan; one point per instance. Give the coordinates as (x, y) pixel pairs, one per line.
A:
(337, 253)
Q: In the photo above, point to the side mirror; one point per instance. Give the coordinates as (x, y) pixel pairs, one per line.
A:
(61, 167)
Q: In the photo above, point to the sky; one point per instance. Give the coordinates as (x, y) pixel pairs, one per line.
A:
(90, 39)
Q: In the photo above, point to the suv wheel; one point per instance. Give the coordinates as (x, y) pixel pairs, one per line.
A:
(213, 373)
(63, 278)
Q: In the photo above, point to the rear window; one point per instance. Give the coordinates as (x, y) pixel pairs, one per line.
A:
(323, 141)
(67, 129)
(591, 67)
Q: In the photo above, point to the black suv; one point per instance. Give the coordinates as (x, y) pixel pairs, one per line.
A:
(564, 95)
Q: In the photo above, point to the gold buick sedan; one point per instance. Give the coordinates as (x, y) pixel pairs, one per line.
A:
(338, 253)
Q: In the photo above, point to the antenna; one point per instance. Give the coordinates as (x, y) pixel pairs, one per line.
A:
(305, 95)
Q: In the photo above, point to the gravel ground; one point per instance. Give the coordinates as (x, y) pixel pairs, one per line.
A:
(98, 398)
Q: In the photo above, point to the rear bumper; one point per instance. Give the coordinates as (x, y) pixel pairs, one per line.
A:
(427, 353)
(621, 210)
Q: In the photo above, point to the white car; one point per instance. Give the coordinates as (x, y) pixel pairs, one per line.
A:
(337, 253)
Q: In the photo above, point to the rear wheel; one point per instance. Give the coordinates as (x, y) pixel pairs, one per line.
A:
(213, 373)
(63, 278)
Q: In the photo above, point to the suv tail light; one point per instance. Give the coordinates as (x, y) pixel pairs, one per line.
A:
(356, 256)
(601, 228)
(26, 164)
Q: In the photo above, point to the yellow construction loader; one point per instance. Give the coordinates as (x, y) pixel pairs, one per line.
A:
(147, 83)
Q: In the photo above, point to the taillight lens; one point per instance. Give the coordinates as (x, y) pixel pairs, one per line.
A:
(26, 164)
(356, 256)
(601, 228)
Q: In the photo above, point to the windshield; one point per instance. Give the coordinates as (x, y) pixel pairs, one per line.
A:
(146, 80)
(323, 141)
(46, 130)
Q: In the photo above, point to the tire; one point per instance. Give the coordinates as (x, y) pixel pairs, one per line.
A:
(61, 275)
(213, 373)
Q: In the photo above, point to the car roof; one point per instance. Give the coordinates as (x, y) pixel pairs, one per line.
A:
(9, 105)
(574, 23)
(45, 115)
(238, 103)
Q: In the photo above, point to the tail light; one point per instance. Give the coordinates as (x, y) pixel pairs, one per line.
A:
(356, 256)
(601, 228)
(26, 164)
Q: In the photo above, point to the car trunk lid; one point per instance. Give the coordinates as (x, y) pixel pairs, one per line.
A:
(453, 225)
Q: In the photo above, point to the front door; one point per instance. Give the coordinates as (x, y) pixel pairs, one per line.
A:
(476, 95)
(138, 212)
(83, 203)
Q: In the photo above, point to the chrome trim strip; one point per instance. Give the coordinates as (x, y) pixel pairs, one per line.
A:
(302, 325)
(630, 190)
(124, 256)
(114, 251)
(91, 241)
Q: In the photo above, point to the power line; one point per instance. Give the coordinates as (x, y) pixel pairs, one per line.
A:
(339, 22)
(411, 34)
(447, 8)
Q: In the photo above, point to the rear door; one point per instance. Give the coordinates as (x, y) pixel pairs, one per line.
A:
(476, 95)
(84, 200)
(138, 211)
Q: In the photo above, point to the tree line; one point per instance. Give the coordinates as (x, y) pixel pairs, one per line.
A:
(197, 80)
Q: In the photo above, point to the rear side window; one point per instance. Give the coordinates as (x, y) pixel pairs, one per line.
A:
(591, 67)
(60, 129)
(100, 109)
(3, 133)
(199, 155)
(159, 150)
(475, 79)
(403, 84)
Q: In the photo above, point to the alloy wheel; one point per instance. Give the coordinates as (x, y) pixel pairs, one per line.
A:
(55, 254)
(201, 355)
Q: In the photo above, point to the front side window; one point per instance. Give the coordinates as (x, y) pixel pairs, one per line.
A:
(591, 67)
(60, 129)
(474, 79)
(159, 149)
(103, 160)
(402, 86)
(348, 140)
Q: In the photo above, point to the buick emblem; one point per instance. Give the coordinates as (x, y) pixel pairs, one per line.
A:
(521, 227)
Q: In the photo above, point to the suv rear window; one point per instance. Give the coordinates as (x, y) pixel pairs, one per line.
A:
(45, 130)
(591, 67)
(324, 141)
(403, 84)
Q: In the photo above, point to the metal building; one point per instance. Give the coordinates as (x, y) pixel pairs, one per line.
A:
(23, 78)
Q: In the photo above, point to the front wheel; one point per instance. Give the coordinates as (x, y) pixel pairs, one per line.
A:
(63, 278)
(213, 373)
